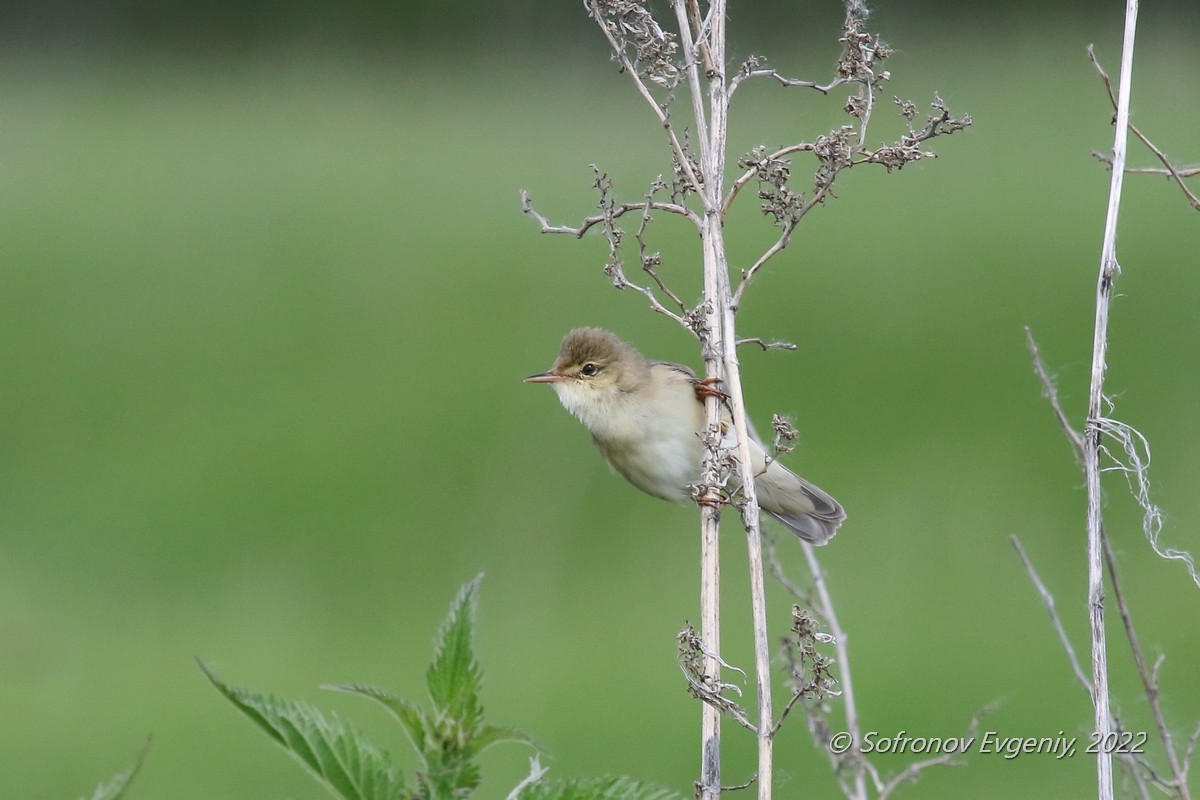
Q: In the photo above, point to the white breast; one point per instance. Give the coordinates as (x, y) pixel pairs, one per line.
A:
(657, 452)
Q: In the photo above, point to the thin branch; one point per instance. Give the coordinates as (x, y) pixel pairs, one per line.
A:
(783, 241)
(700, 29)
(913, 771)
(1048, 601)
(751, 173)
(787, 709)
(658, 109)
(749, 782)
(751, 69)
(688, 19)
(619, 210)
(1190, 752)
(1149, 679)
(1050, 392)
(1137, 766)
(609, 213)
(766, 345)
(651, 261)
(1183, 172)
(1169, 168)
(1178, 782)
(841, 648)
(748, 275)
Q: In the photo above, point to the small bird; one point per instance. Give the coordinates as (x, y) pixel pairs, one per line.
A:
(645, 417)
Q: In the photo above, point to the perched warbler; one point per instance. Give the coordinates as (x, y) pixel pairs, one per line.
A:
(645, 417)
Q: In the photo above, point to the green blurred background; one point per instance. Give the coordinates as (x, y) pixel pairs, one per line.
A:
(268, 298)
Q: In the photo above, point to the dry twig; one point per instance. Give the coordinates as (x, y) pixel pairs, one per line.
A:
(1177, 174)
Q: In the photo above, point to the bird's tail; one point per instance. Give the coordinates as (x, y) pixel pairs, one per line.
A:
(806, 510)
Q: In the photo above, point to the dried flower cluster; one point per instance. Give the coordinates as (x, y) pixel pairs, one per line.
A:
(809, 670)
(641, 41)
(774, 173)
(785, 434)
(908, 147)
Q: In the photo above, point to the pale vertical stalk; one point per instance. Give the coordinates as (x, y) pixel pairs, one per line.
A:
(721, 300)
(710, 563)
(1109, 268)
(758, 593)
(710, 511)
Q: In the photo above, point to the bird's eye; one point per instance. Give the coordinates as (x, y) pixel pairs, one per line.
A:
(589, 369)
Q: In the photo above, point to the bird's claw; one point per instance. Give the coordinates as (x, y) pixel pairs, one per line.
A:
(708, 388)
(711, 501)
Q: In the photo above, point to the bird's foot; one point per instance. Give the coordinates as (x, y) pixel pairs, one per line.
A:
(711, 500)
(708, 388)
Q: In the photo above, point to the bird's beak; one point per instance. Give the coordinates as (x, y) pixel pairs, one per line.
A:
(546, 377)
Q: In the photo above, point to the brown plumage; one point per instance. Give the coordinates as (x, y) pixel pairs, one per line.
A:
(644, 417)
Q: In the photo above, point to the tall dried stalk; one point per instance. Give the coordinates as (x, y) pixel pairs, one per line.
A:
(1095, 428)
(1089, 448)
(694, 57)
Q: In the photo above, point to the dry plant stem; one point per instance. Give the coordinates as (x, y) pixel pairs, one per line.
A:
(783, 81)
(842, 650)
(783, 241)
(1048, 601)
(1138, 767)
(751, 174)
(1179, 768)
(710, 632)
(1168, 168)
(710, 517)
(1050, 391)
(590, 222)
(1094, 430)
(720, 304)
(638, 41)
(751, 520)
(1183, 172)
(1149, 680)
(644, 91)
(703, 43)
(766, 345)
(708, 187)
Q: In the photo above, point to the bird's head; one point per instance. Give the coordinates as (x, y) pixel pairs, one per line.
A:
(593, 363)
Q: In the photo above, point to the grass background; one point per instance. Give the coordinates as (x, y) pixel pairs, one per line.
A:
(265, 315)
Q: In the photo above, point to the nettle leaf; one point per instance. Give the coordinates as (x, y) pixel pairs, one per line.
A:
(488, 735)
(345, 762)
(416, 725)
(115, 788)
(449, 738)
(598, 789)
(454, 678)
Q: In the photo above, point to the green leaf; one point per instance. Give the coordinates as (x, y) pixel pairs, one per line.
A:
(454, 678)
(411, 718)
(115, 788)
(598, 789)
(346, 763)
(488, 735)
